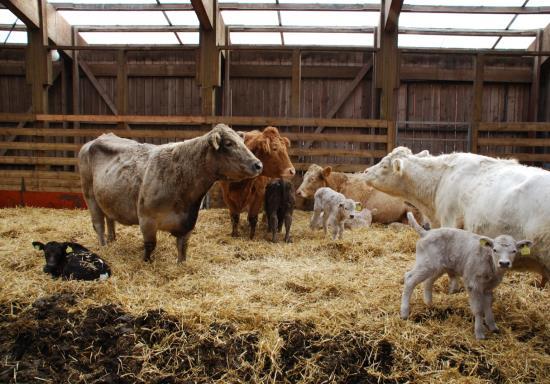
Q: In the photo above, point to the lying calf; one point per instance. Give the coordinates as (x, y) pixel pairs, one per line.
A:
(335, 209)
(72, 261)
(480, 261)
(361, 219)
(279, 205)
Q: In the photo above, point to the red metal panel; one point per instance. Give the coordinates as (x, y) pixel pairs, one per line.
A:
(70, 200)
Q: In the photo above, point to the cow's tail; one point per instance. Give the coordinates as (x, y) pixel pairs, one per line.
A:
(413, 223)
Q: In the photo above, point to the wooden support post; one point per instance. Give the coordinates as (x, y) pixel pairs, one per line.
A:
(122, 86)
(210, 63)
(75, 73)
(535, 85)
(227, 100)
(388, 64)
(477, 106)
(296, 83)
(38, 61)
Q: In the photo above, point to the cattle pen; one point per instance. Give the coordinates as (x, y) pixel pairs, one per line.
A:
(346, 82)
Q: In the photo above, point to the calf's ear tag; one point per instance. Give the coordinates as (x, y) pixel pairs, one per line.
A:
(483, 242)
(358, 207)
(525, 250)
(69, 249)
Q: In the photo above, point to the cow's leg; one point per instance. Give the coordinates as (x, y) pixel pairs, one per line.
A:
(281, 220)
(98, 219)
(181, 244)
(253, 211)
(235, 224)
(454, 286)
(412, 279)
(488, 311)
(273, 224)
(325, 222)
(428, 288)
(149, 230)
(111, 235)
(476, 305)
(252, 221)
(288, 223)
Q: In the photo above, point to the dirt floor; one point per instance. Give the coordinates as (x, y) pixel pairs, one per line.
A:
(241, 311)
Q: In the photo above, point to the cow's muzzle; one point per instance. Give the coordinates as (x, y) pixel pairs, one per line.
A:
(257, 167)
(504, 264)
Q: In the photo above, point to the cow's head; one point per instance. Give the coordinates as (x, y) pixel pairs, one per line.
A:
(347, 209)
(56, 254)
(315, 178)
(505, 249)
(272, 149)
(233, 160)
(387, 175)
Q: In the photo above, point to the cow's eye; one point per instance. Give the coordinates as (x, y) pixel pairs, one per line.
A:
(494, 249)
(228, 143)
(275, 149)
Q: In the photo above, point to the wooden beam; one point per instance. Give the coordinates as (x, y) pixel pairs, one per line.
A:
(475, 9)
(58, 29)
(98, 87)
(477, 102)
(205, 10)
(296, 83)
(391, 14)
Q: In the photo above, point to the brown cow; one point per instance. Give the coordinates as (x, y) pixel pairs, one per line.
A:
(272, 149)
(389, 209)
(159, 187)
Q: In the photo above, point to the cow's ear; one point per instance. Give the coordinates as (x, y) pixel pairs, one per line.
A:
(424, 153)
(486, 242)
(397, 165)
(524, 247)
(326, 171)
(38, 245)
(286, 141)
(242, 134)
(215, 140)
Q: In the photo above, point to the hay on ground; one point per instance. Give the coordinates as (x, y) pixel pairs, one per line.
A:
(251, 311)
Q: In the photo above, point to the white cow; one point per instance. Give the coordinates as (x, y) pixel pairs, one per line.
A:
(477, 193)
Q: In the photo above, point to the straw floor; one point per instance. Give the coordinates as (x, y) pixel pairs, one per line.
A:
(241, 311)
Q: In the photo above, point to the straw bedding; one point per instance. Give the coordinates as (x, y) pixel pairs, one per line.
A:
(242, 311)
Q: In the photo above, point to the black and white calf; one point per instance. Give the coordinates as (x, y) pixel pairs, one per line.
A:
(279, 205)
(72, 261)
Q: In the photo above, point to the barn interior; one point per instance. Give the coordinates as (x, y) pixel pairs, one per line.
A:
(346, 82)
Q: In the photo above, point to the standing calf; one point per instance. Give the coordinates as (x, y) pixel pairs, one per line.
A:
(279, 205)
(336, 209)
(72, 261)
(480, 260)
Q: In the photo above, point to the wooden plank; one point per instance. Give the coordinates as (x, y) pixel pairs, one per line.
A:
(197, 120)
(40, 183)
(30, 160)
(392, 136)
(514, 142)
(477, 107)
(501, 75)
(185, 134)
(535, 85)
(295, 93)
(335, 167)
(40, 146)
(515, 127)
(39, 174)
(122, 85)
(8, 187)
(335, 152)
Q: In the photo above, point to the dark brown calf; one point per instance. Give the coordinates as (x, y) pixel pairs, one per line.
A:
(272, 150)
(279, 205)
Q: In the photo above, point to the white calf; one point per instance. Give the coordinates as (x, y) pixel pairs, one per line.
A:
(479, 260)
(335, 209)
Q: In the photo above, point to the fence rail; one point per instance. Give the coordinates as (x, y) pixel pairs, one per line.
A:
(45, 158)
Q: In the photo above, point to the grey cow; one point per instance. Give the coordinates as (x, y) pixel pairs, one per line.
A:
(159, 187)
(335, 209)
(479, 260)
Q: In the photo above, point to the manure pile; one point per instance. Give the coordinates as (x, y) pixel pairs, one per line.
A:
(243, 311)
